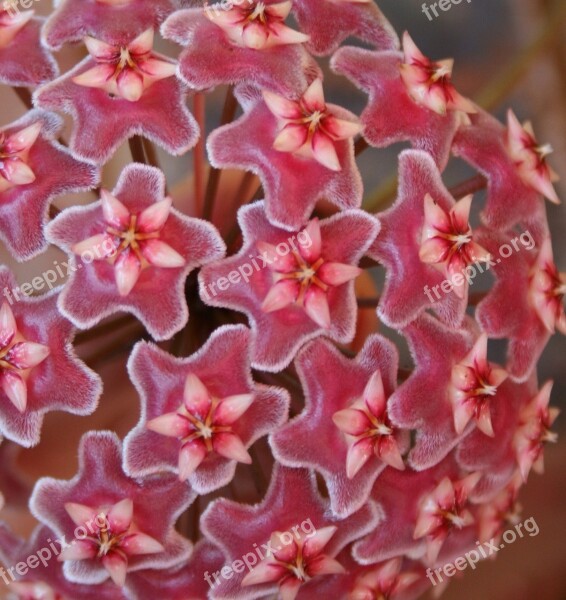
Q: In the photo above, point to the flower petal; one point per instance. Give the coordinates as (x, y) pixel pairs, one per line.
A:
(120, 515)
(155, 216)
(8, 326)
(127, 269)
(232, 408)
(317, 308)
(196, 396)
(25, 355)
(230, 446)
(15, 388)
(160, 254)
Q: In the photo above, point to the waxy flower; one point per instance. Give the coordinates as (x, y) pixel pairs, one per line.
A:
(387, 581)
(247, 43)
(525, 305)
(35, 169)
(113, 524)
(474, 386)
(530, 157)
(483, 143)
(123, 89)
(424, 401)
(303, 287)
(206, 405)
(308, 127)
(329, 22)
(294, 564)
(132, 245)
(113, 537)
(345, 406)
(256, 24)
(424, 226)
(125, 71)
(501, 512)
(110, 20)
(23, 59)
(45, 580)
(392, 115)
(298, 529)
(429, 83)
(445, 509)
(18, 357)
(547, 290)
(39, 371)
(398, 494)
(495, 456)
(132, 241)
(367, 422)
(14, 154)
(302, 151)
(305, 278)
(534, 432)
(447, 241)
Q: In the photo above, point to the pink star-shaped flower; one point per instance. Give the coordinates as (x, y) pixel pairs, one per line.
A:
(345, 405)
(110, 20)
(206, 405)
(128, 247)
(247, 43)
(444, 509)
(110, 520)
(495, 456)
(394, 579)
(301, 150)
(410, 98)
(122, 89)
(526, 303)
(23, 59)
(398, 494)
(426, 400)
(534, 432)
(424, 243)
(511, 199)
(35, 169)
(292, 287)
(291, 501)
(46, 580)
(500, 512)
(330, 22)
(38, 367)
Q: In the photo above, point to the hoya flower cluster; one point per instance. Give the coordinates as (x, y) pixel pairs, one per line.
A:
(266, 400)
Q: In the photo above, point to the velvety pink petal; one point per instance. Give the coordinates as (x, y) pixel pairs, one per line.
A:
(209, 58)
(332, 382)
(422, 401)
(59, 382)
(223, 365)
(101, 481)
(330, 23)
(23, 209)
(291, 499)
(103, 122)
(278, 335)
(120, 24)
(91, 293)
(25, 61)
(391, 116)
(410, 283)
(292, 184)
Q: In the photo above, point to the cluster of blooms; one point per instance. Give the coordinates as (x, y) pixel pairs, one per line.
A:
(414, 468)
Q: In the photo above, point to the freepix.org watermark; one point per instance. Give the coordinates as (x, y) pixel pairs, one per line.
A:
(524, 241)
(443, 5)
(251, 559)
(257, 263)
(48, 279)
(53, 549)
(484, 550)
(13, 7)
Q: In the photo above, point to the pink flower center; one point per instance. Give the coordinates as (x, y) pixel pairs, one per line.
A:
(130, 238)
(203, 427)
(305, 275)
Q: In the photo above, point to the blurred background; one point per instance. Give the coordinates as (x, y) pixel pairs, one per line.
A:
(508, 53)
